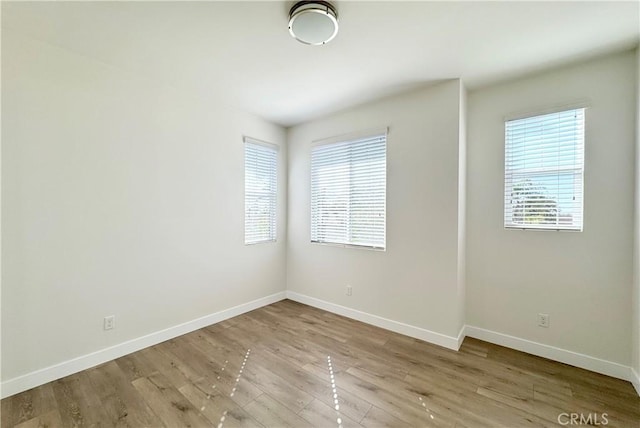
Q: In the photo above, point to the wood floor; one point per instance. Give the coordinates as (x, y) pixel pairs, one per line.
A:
(290, 365)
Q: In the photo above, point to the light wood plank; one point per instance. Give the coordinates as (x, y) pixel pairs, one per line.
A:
(320, 414)
(120, 400)
(46, 420)
(218, 408)
(273, 414)
(167, 402)
(378, 418)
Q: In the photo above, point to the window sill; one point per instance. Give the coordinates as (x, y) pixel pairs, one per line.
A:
(352, 246)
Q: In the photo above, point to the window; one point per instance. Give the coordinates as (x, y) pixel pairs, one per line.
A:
(260, 191)
(348, 192)
(544, 168)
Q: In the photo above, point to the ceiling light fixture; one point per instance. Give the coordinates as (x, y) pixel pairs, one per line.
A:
(313, 22)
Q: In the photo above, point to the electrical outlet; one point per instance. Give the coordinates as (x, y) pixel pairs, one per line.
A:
(543, 320)
(349, 290)
(109, 322)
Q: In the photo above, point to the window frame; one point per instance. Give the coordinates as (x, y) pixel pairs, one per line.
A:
(351, 138)
(272, 194)
(578, 170)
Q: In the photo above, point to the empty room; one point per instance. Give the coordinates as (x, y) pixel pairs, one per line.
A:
(320, 214)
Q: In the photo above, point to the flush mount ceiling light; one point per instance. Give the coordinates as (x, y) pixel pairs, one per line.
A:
(313, 22)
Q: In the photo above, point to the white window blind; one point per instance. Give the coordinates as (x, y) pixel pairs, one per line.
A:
(348, 192)
(544, 171)
(260, 191)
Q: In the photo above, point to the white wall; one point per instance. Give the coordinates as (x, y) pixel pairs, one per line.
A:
(120, 198)
(636, 248)
(415, 280)
(462, 206)
(582, 280)
(1, 275)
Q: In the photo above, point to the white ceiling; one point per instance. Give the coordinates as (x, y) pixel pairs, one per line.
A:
(241, 53)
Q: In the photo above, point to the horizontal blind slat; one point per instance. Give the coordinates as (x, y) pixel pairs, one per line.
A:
(544, 163)
(260, 193)
(348, 192)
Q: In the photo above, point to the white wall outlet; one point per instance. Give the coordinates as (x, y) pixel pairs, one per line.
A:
(109, 322)
(543, 320)
(349, 290)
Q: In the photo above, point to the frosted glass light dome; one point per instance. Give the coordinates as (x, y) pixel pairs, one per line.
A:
(313, 22)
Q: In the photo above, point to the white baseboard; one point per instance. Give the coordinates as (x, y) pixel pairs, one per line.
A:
(48, 374)
(576, 359)
(398, 327)
(635, 381)
(461, 335)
